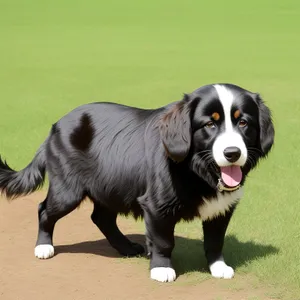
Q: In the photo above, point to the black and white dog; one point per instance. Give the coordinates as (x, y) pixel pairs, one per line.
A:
(185, 160)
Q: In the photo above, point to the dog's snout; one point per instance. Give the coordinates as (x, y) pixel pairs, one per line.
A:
(232, 154)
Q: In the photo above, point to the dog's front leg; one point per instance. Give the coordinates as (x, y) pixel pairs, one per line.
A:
(214, 233)
(160, 243)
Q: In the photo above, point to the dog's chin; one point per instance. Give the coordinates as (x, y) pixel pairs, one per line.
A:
(219, 178)
(218, 185)
(230, 178)
(223, 187)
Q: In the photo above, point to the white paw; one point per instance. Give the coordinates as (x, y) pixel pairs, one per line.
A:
(163, 274)
(220, 270)
(44, 251)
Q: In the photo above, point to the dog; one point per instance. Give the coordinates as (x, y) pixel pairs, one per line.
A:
(185, 160)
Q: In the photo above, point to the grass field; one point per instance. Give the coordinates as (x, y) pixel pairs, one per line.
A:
(57, 55)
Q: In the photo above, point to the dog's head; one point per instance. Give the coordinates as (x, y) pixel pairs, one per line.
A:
(221, 131)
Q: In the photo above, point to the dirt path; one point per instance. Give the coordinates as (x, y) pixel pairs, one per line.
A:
(85, 266)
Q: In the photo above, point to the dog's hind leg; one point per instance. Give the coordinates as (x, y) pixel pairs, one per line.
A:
(106, 221)
(58, 203)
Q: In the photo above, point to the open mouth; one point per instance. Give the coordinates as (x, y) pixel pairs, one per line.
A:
(231, 177)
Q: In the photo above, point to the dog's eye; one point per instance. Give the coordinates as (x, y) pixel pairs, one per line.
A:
(210, 125)
(242, 123)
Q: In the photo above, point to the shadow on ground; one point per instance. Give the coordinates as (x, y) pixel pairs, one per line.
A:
(188, 254)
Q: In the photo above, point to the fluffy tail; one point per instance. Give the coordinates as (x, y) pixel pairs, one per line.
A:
(14, 184)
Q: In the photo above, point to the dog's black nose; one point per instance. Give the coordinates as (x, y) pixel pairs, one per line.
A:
(232, 154)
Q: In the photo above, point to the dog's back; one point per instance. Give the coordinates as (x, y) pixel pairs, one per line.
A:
(100, 148)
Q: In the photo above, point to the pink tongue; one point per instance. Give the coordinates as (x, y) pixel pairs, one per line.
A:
(231, 175)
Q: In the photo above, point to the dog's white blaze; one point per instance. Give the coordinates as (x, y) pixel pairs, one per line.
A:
(44, 251)
(216, 206)
(163, 274)
(229, 138)
(226, 98)
(219, 269)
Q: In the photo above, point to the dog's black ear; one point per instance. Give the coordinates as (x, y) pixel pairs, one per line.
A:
(267, 132)
(175, 130)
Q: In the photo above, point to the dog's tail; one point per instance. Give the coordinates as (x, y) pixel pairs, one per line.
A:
(14, 184)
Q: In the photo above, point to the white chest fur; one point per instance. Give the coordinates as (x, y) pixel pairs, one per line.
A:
(218, 205)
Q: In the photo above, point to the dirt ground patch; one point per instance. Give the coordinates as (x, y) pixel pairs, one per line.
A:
(85, 266)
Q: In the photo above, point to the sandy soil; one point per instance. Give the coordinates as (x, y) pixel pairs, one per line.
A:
(85, 266)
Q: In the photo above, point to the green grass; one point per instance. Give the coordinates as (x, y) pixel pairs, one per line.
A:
(57, 55)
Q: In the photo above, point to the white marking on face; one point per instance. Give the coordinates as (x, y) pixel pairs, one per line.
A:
(163, 274)
(44, 251)
(229, 138)
(219, 269)
(216, 206)
(226, 98)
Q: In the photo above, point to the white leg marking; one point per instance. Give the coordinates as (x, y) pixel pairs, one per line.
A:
(163, 274)
(220, 270)
(44, 251)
